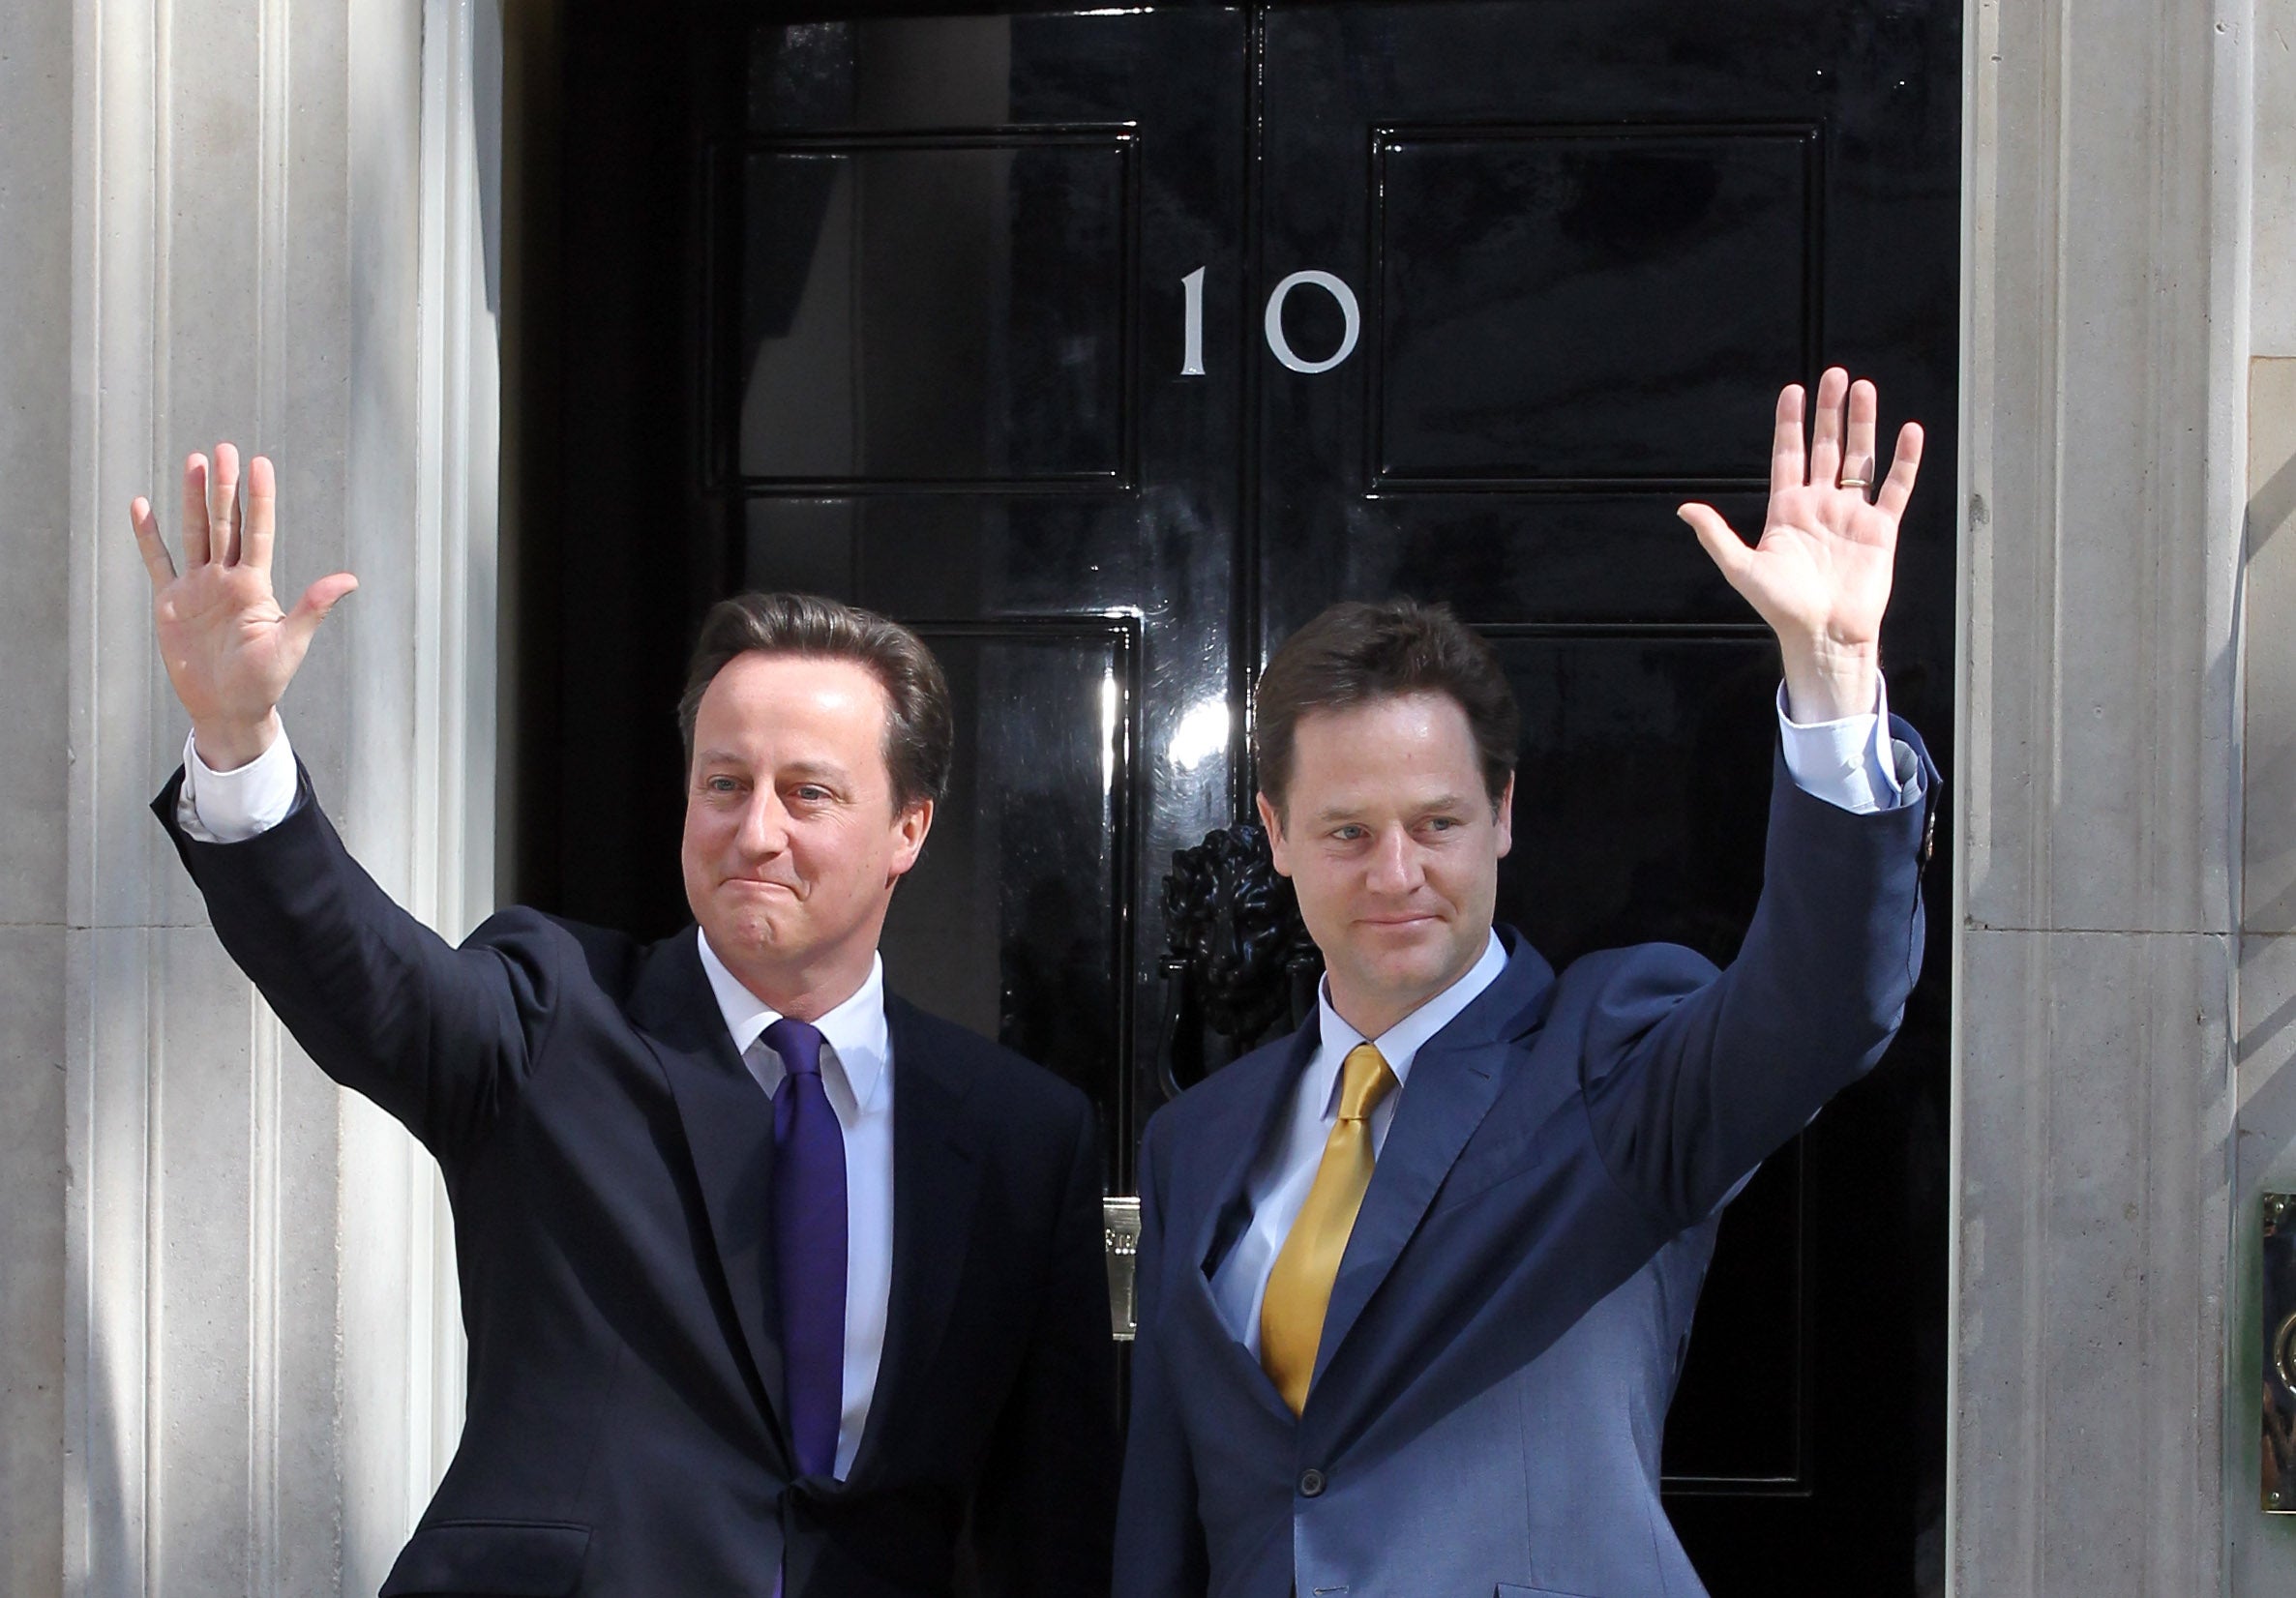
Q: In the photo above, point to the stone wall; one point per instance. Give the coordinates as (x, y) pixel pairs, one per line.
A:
(2102, 409)
(2262, 1548)
(36, 90)
(231, 1364)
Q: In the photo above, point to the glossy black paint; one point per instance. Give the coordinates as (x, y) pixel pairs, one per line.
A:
(891, 306)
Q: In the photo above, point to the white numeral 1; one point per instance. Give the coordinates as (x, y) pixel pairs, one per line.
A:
(1192, 346)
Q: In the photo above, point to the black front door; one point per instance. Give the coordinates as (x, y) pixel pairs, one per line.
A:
(1105, 348)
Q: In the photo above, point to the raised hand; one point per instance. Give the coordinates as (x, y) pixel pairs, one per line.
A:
(1820, 573)
(229, 650)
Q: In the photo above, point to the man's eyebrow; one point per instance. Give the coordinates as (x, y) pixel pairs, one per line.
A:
(717, 757)
(1442, 802)
(828, 769)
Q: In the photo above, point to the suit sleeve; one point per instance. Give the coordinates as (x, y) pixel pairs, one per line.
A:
(1160, 1551)
(440, 1037)
(1043, 1522)
(1693, 1079)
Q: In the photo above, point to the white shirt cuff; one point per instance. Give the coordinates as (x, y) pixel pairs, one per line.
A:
(232, 807)
(1850, 763)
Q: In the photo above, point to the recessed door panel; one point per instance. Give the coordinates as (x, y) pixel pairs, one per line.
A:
(1014, 921)
(1639, 810)
(936, 310)
(1564, 308)
(954, 294)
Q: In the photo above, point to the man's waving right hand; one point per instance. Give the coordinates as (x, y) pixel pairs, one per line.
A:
(230, 649)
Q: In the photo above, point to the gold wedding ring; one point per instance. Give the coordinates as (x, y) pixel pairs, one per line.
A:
(1855, 481)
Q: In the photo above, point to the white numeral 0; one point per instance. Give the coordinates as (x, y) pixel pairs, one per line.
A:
(1274, 321)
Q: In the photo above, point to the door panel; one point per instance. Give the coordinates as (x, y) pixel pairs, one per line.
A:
(949, 401)
(1588, 243)
(961, 318)
(1015, 921)
(1639, 806)
(1512, 262)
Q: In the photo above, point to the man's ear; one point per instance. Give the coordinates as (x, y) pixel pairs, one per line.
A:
(1272, 819)
(1503, 814)
(910, 828)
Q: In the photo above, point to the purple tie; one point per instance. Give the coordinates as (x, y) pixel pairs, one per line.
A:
(809, 1246)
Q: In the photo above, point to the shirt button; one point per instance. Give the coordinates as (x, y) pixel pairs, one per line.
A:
(1311, 1484)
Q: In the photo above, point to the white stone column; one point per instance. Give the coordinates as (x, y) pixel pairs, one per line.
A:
(2262, 1548)
(35, 443)
(2105, 326)
(263, 192)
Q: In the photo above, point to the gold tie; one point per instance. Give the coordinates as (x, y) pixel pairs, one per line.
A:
(1299, 1286)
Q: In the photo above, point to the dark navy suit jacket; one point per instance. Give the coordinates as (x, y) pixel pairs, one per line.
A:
(1511, 1311)
(607, 1156)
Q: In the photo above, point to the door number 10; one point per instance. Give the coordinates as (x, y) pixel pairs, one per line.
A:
(1272, 323)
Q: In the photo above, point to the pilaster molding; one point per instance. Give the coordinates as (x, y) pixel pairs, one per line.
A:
(2097, 800)
(256, 1395)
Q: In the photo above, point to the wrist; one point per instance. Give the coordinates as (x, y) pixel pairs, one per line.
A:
(228, 745)
(1827, 681)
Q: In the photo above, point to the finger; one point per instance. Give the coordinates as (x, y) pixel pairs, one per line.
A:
(1857, 452)
(195, 542)
(1825, 432)
(223, 506)
(311, 609)
(158, 563)
(262, 498)
(1904, 466)
(1788, 468)
(1721, 540)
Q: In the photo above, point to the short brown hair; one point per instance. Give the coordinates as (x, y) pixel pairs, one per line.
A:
(919, 730)
(1358, 652)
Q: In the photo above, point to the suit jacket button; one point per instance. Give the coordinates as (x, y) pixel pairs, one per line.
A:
(1311, 1483)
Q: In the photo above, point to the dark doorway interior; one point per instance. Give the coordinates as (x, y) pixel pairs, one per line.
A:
(900, 308)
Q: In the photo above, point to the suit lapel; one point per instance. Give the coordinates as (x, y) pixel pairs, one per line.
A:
(1228, 1212)
(729, 1127)
(936, 1185)
(1454, 1078)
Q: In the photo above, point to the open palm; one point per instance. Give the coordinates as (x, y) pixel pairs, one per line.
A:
(1820, 573)
(230, 651)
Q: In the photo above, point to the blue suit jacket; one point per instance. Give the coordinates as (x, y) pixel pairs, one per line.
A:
(1514, 1307)
(608, 1158)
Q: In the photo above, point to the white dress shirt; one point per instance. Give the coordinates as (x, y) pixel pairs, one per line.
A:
(857, 1075)
(229, 807)
(1850, 763)
(1286, 1168)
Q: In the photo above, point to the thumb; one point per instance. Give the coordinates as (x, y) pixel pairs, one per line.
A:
(1727, 550)
(311, 609)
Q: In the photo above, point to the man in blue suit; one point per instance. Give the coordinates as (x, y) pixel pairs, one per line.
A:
(719, 1199)
(1414, 1283)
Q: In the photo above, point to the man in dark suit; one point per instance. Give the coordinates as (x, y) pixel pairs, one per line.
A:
(1414, 1283)
(716, 1200)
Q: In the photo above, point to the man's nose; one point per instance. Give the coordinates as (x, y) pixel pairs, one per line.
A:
(765, 830)
(1394, 863)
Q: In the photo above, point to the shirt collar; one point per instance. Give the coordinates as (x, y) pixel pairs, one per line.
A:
(1400, 1044)
(855, 1030)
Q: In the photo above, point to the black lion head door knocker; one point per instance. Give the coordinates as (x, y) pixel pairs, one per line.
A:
(1238, 966)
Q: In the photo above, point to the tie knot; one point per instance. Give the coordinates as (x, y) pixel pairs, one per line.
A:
(1365, 1079)
(798, 1044)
